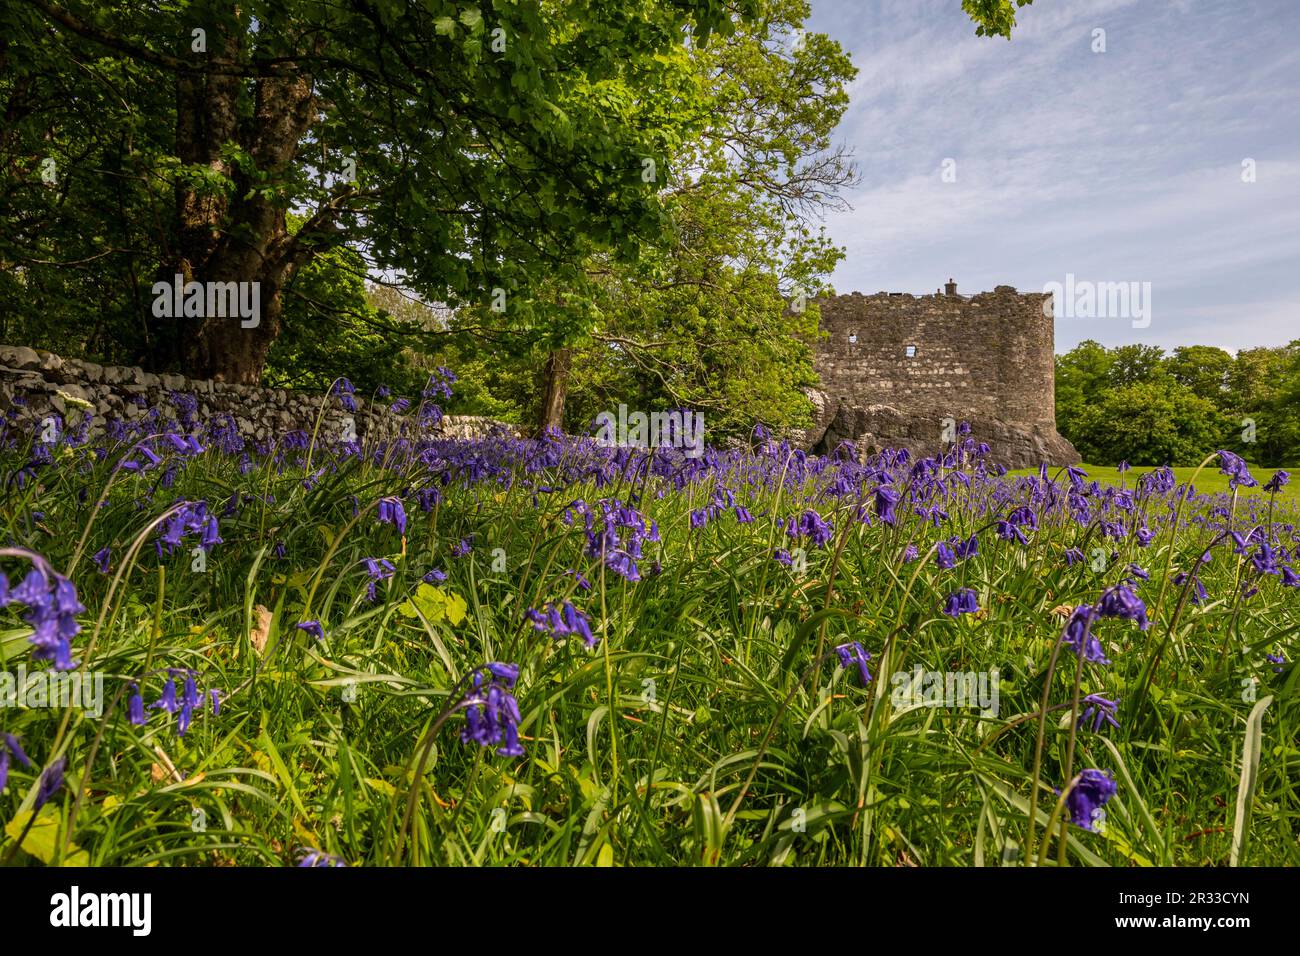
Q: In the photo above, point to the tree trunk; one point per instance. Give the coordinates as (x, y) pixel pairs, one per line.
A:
(240, 236)
(555, 388)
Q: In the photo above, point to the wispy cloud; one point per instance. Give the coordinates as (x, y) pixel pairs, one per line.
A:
(1116, 165)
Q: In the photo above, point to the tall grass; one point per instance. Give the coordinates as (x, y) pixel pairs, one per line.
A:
(711, 724)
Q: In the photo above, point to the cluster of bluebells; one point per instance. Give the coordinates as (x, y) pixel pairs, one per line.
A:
(810, 525)
(491, 711)
(616, 534)
(1097, 710)
(190, 518)
(52, 607)
(963, 601)
(561, 621)
(721, 501)
(392, 512)
(311, 857)
(183, 706)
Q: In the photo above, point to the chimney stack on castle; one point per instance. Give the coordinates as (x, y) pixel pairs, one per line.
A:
(950, 287)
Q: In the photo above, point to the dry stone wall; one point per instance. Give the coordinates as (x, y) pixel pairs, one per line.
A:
(34, 383)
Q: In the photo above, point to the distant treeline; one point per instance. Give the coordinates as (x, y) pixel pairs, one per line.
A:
(1140, 404)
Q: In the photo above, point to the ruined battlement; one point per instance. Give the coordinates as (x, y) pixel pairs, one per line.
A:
(986, 359)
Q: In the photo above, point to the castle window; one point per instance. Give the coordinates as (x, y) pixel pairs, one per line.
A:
(853, 338)
(910, 351)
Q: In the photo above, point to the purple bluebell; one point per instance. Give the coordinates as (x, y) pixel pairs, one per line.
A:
(1236, 469)
(1277, 482)
(392, 512)
(50, 783)
(1078, 634)
(1098, 710)
(1120, 601)
(1090, 794)
(963, 601)
(491, 711)
(853, 653)
(9, 746)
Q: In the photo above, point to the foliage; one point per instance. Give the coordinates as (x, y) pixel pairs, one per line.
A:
(1135, 403)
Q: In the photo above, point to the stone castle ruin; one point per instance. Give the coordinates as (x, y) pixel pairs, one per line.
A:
(898, 371)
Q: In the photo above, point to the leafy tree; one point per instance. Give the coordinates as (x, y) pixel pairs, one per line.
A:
(1148, 423)
(1133, 403)
(702, 315)
(1204, 369)
(1130, 364)
(467, 147)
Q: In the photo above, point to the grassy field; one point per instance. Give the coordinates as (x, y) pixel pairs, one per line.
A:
(1210, 480)
(549, 653)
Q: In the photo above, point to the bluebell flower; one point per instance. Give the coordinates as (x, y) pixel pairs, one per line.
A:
(944, 558)
(392, 512)
(9, 746)
(1235, 468)
(1078, 634)
(101, 559)
(1264, 560)
(1120, 601)
(964, 601)
(1098, 710)
(135, 707)
(311, 857)
(562, 620)
(50, 783)
(491, 711)
(313, 628)
(886, 500)
(377, 569)
(1276, 483)
(1088, 797)
(345, 391)
(167, 701)
(1198, 589)
(853, 653)
(52, 606)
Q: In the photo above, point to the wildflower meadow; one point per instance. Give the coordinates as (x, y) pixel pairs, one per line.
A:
(495, 651)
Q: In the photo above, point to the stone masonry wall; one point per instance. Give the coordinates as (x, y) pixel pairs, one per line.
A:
(986, 359)
(36, 378)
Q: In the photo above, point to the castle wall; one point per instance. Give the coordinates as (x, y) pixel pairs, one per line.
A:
(987, 357)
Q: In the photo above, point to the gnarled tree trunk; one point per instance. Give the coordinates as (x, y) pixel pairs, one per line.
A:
(239, 237)
(555, 388)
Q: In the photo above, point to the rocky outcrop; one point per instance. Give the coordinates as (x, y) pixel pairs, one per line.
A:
(876, 427)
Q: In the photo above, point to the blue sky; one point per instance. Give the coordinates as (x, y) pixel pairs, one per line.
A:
(1122, 166)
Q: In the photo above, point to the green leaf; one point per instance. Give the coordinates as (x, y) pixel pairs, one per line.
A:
(43, 838)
